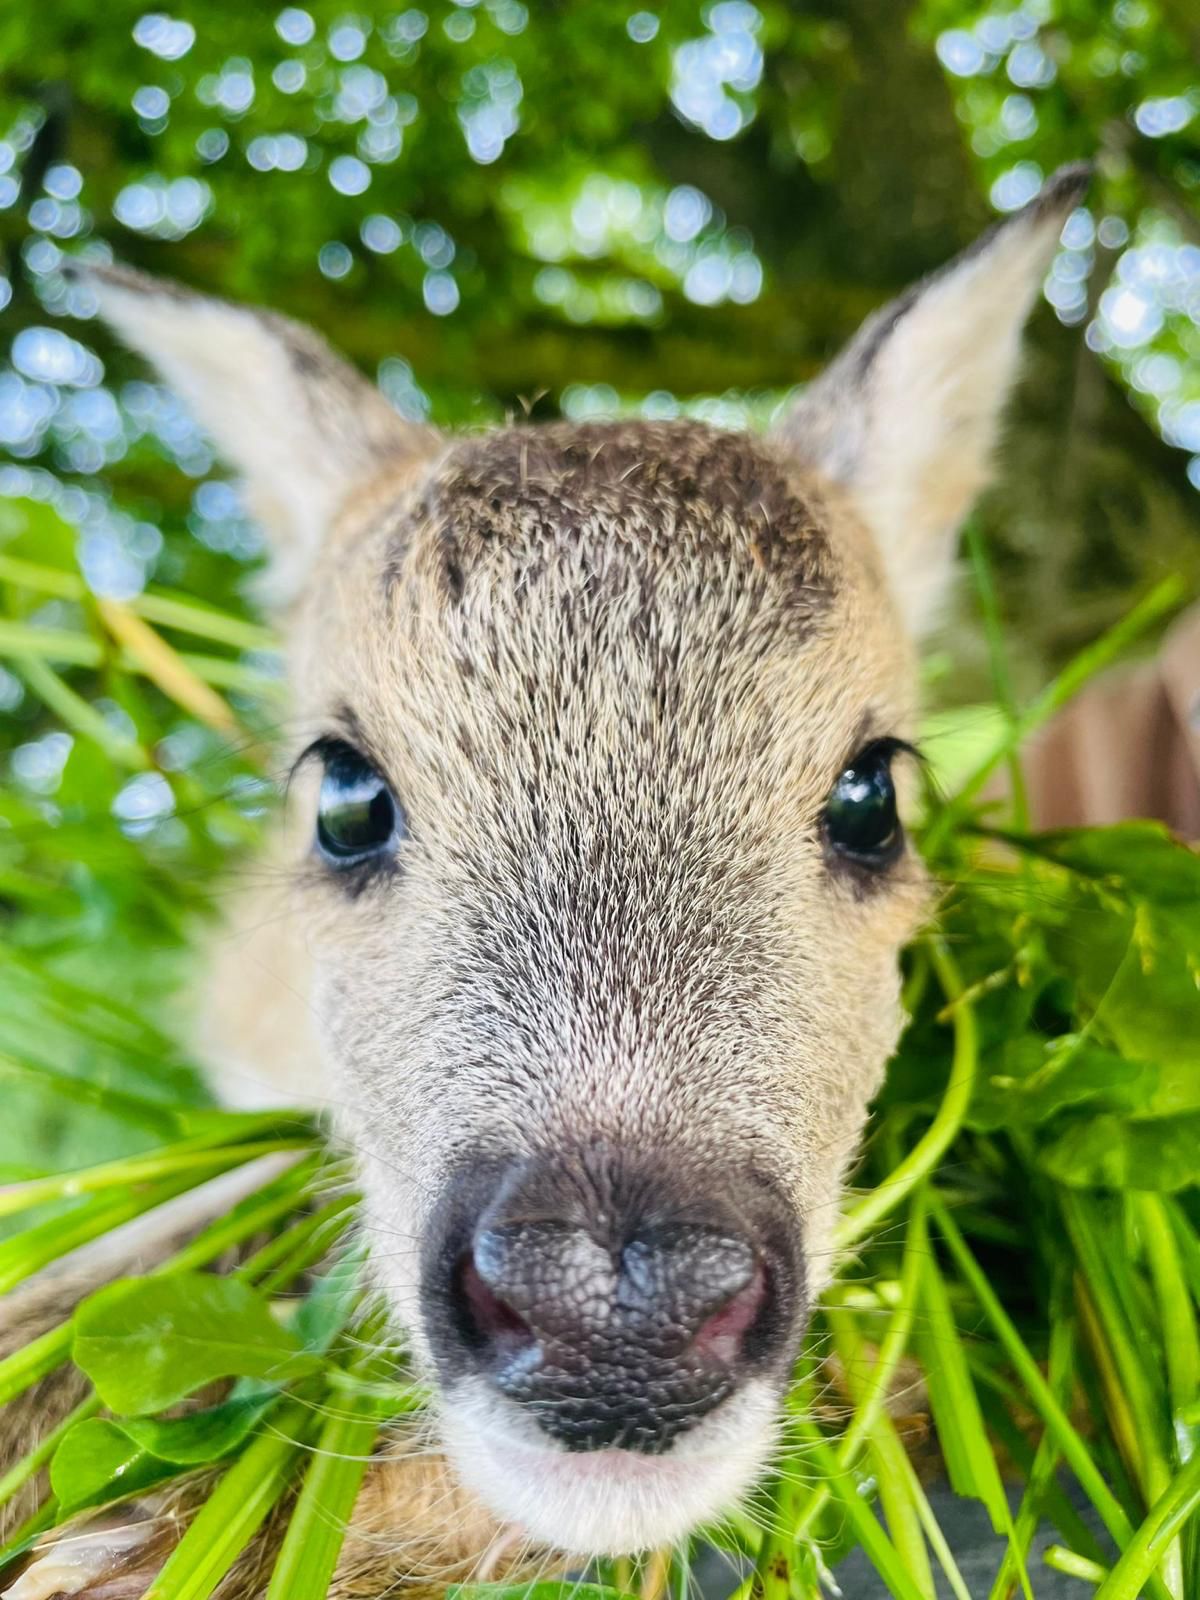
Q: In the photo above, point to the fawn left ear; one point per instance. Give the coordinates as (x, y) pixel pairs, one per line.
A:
(907, 415)
(298, 422)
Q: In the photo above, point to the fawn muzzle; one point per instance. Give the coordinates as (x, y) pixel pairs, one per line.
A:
(613, 1299)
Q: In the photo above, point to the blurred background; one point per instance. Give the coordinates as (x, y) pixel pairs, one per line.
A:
(498, 208)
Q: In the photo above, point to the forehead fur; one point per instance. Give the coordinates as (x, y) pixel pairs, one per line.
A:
(679, 494)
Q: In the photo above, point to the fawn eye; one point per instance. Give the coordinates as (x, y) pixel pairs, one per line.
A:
(861, 821)
(357, 815)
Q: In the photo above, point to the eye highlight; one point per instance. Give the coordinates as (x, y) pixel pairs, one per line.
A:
(358, 817)
(861, 821)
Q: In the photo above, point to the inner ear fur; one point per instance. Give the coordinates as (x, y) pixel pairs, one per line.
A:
(906, 418)
(297, 421)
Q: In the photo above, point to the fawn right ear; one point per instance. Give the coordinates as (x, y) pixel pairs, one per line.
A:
(298, 422)
(906, 417)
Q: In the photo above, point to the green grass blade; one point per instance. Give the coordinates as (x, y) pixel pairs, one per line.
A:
(895, 1342)
(774, 1574)
(301, 1245)
(1075, 1451)
(938, 1542)
(1180, 1338)
(1130, 1364)
(317, 1526)
(204, 622)
(1162, 599)
(260, 1210)
(1181, 1345)
(925, 1155)
(74, 712)
(1041, 1482)
(876, 1545)
(1074, 1565)
(235, 1510)
(156, 605)
(42, 579)
(1187, 1242)
(680, 1581)
(26, 1253)
(67, 647)
(1056, 1505)
(1150, 1546)
(192, 1155)
(967, 1451)
(70, 649)
(887, 1452)
(27, 1366)
(970, 1461)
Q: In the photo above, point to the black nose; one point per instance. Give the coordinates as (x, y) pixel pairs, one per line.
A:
(616, 1298)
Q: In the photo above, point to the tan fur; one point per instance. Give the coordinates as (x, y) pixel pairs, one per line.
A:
(612, 674)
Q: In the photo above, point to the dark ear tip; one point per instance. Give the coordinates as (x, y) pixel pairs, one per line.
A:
(77, 269)
(112, 275)
(1063, 190)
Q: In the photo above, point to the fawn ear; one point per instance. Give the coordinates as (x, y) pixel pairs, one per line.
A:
(906, 416)
(298, 422)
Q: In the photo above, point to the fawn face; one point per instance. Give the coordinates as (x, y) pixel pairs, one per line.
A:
(599, 861)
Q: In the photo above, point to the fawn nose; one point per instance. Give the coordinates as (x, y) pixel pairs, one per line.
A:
(616, 1309)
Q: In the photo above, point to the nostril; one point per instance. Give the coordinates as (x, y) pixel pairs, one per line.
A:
(617, 1306)
(487, 1321)
(722, 1337)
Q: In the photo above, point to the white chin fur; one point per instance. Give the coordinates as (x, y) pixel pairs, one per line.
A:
(605, 1502)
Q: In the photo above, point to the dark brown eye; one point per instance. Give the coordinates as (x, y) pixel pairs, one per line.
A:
(358, 817)
(861, 821)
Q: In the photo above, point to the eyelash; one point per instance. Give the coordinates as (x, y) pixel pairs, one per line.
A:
(320, 749)
(890, 745)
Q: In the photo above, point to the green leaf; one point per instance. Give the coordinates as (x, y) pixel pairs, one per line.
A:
(1141, 982)
(1133, 947)
(1030, 1080)
(1111, 1152)
(331, 1302)
(97, 1462)
(203, 1435)
(1138, 860)
(148, 1342)
(117, 1457)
